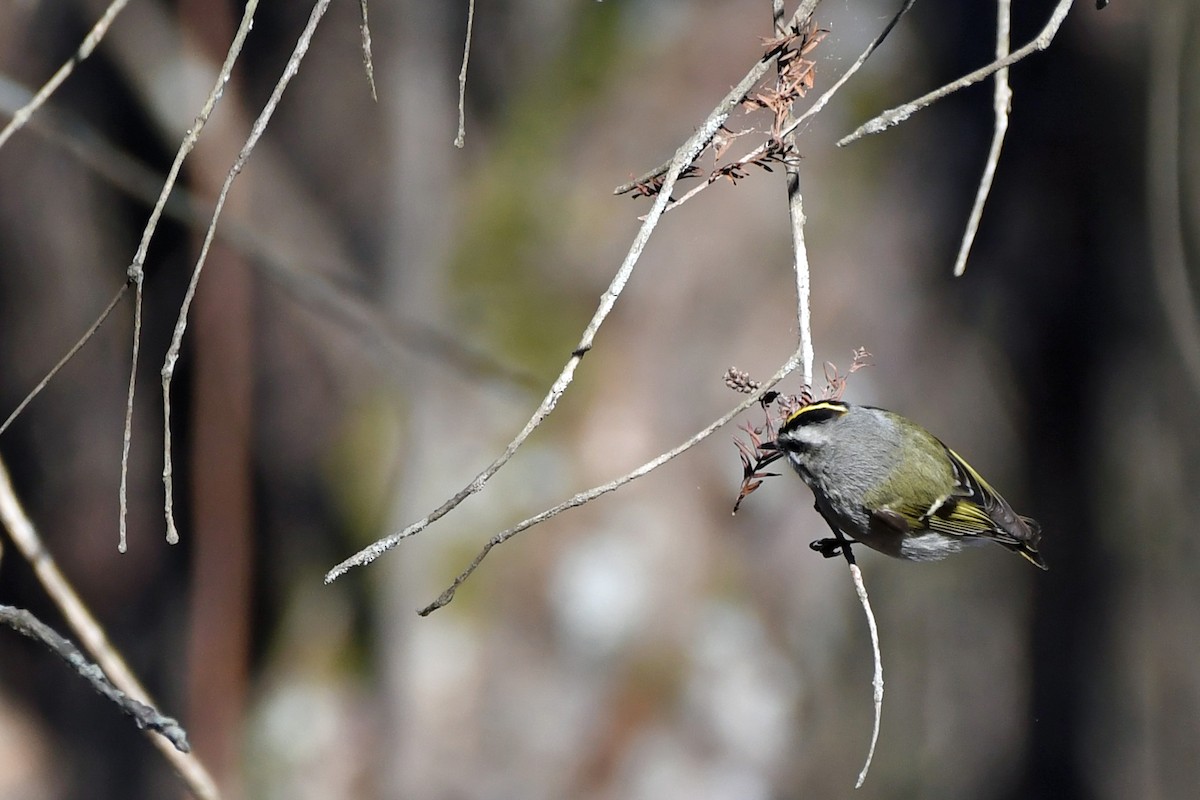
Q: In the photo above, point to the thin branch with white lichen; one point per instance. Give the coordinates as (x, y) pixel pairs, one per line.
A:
(145, 716)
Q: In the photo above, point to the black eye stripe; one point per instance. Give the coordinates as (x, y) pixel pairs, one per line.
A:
(787, 444)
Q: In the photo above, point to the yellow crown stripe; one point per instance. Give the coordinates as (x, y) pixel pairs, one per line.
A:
(820, 405)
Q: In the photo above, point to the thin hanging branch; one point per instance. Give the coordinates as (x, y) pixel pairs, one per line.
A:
(461, 139)
(136, 267)
(758, 451)
(796, 217)
(1001, 105)
(256, 132)
(20, 118)
(877, 677)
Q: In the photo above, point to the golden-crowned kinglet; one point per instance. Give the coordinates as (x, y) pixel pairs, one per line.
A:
(888, 483)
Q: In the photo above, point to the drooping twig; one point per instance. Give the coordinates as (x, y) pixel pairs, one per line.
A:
(1001, 105)
(136, 267)
(900, 113)
(860, 589)
(877, 677)
(88, 631)
(146, 717)
(461, 139)
(256, 132)
(89, 43)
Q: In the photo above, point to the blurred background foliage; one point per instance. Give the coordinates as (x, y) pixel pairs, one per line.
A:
(384, 311)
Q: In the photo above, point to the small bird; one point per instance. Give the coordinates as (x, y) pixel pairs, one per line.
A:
(886, 482)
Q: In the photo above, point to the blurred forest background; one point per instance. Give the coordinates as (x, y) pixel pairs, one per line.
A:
(383, 311)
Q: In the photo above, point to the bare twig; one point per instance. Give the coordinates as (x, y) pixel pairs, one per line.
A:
(368, 63)
(256, 132)
(796, 217)
(803, 280)
(62, 362)
(731, 100)
(89, 43)
(88, 630)
(127, 431)
(146, 717)
(1001, 106)
(137, 273)
(900, 113)
(1175, 289)
(877, 680)
(461, 139)
(591, 494)
(877, 677)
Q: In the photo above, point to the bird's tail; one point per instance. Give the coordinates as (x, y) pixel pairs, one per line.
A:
(1027, 548)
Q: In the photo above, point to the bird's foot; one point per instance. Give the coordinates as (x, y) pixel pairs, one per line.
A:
(830, 548)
